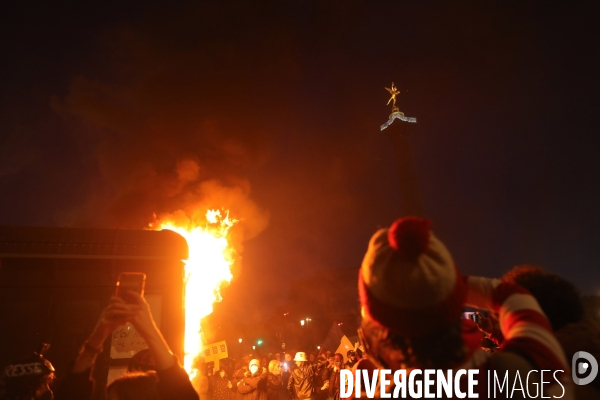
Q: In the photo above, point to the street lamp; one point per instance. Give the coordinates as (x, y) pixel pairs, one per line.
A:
(302, 322)
(253, 347)
(240, 340)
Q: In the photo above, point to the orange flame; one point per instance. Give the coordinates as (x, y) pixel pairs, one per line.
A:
(207, 268)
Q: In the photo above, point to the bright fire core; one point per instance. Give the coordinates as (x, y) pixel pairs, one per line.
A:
(207, 268)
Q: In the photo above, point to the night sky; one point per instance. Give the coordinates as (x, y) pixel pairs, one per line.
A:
(113, 112)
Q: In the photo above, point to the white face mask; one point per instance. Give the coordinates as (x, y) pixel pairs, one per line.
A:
(222, 374)
(253, 368)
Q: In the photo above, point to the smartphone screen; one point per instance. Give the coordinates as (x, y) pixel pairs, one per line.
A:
(130, 281)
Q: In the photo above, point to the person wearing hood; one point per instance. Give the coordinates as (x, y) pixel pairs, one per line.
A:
(221, 386)
(253, 385)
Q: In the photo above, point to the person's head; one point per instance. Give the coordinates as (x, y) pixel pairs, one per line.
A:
(29, 378)
(275, 367)
(288, 358)
(351, 354)
(338, 360)
(412, 297)
(559, 299)
(143, 361)
(277, 356)
(300, 358)
(221, 373)
(359, 353)
(134, 386)
(254, 366)
(311, 357)
(264, 361)
(330, 359)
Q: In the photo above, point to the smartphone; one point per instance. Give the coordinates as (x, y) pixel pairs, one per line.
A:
(130, 281)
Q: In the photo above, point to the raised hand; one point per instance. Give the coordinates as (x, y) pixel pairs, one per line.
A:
(143, 322)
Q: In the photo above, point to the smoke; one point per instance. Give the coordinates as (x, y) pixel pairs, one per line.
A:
(191, 109)
(210, 193)
(17, 151)
(170, 126)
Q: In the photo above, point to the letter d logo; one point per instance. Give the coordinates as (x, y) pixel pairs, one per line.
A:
(581, 368)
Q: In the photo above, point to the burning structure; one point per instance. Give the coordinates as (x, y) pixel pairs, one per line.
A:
(206, 270)
(55, 282)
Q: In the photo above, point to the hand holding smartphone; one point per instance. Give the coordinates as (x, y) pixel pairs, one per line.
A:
(130, 281)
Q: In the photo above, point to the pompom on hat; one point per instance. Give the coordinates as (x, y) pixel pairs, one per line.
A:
(408, 281)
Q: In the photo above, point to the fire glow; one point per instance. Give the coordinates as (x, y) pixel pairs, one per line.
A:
(206, 269)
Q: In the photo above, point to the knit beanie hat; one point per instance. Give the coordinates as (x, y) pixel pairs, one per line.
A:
(408, 281)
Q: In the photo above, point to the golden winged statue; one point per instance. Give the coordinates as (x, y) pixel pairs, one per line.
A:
(394, 92)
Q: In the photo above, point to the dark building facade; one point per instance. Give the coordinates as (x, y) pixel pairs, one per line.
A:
(54, 282)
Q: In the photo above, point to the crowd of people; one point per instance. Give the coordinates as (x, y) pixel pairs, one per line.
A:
(412, 298)
(295, 376)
